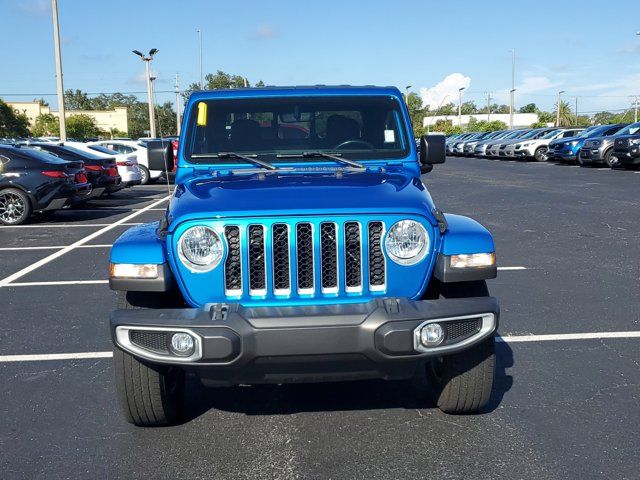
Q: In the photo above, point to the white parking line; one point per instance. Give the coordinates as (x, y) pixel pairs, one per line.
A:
(55, 283)
(53, 247)
(505, 339)
(70, 225)
(82, 241)
(506, 269)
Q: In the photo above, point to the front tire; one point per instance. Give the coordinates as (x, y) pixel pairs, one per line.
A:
(539, 154)
(149, 395)
(609, 160)
(462, 382)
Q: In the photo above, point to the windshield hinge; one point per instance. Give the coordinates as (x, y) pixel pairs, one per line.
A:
(442, 221)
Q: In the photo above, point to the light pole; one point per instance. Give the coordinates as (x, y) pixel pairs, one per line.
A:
(636, 103)
(152, 114)
(577, 111)
(460, 106)
(513, 88)
(406, 94)
(488, 106)
(177, 87)
(436, 113)
(200, 49)
(56, 40)
(558, 109)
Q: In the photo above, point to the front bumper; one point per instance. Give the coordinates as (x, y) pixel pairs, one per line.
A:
(589, 155)
(629, 156)
(377, 339)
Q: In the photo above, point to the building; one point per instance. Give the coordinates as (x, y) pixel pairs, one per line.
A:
(520, 120)
(106, 120)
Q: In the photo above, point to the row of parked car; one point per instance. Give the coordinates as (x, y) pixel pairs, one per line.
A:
(615, 145)
(41, 176)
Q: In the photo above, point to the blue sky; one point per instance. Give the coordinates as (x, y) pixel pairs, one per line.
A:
(589, 51)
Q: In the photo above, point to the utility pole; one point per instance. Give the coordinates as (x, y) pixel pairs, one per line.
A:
(576, 111)
(558, 109)
(201, 69)
(488, 106)
(178, 102)
(406, 94)
(460, 106)
(152, 113)
(513, 88)
(56, 41)
(635, 105)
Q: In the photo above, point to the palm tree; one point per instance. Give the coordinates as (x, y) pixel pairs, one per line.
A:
(566, 116)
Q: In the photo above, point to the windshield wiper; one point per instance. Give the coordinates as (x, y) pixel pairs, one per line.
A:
(335, 157)
(247, 158)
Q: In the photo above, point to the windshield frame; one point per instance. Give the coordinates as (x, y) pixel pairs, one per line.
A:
(292, 156)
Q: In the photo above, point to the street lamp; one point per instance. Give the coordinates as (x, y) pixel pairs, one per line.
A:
(558, 109)
(56, 41)
(152, 114)
(460, 106)
(406, 94)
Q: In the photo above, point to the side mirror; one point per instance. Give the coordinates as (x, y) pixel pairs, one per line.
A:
(432, 151)
(160, 154)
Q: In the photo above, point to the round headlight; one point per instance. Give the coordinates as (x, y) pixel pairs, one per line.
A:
(200, 249)
(407, 242)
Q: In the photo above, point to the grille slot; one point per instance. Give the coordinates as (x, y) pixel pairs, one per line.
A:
(376, 257)
(458, 330)
(233, 264)
(304, 257)
(329, 254)
(280, 251)
(257, 268)
(352, 256)
(154, 341)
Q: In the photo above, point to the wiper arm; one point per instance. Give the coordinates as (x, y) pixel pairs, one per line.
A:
(335, 157)
(247, 158)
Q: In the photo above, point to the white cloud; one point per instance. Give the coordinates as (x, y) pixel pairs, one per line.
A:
(265, 32)
(446, 90)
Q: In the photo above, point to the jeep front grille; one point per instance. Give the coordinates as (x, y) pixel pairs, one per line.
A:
(305, 259)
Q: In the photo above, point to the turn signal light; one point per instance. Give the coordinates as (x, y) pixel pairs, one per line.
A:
(130, 270)
(472, 260)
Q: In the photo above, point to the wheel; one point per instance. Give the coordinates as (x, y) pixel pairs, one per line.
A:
(462, 382)
(609, 160)
(581, 162)
(149, 395)
(539, 154)
(15, 207)
(145, 176)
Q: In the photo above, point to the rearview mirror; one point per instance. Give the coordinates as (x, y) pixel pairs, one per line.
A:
(432, 151)
(160, 155)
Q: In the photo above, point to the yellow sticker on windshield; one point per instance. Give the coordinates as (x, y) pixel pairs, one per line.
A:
(202, 114)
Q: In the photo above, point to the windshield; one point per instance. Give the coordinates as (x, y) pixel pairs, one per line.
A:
(359, 127)
(551, 134)
(100, 148)
(632, 129)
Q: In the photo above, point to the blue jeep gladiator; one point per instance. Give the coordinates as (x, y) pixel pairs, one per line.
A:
(301, 245)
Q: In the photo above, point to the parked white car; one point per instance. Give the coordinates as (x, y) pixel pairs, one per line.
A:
(536, 149)
(127, 164)
(139, 149)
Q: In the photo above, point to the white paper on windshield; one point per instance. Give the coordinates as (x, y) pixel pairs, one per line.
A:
(389, 136)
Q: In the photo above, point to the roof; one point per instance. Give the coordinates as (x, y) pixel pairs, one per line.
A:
(273, 91)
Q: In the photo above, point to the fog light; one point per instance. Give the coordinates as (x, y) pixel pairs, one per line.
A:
(431, 335)
(182, 344)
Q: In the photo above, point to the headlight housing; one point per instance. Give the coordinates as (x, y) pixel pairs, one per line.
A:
(407, 242)
(200, 249)
(635, 141)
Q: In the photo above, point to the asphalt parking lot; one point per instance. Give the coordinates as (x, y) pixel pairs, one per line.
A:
(564, 406)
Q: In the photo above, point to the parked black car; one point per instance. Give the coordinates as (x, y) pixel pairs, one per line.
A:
(36, 182)
(102, 172)
(626, 146)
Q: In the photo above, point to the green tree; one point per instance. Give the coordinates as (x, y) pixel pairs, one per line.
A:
(42, 102)
(12, 123)
(416, 113)
(77, 100)
(538, 124)
(566, 115)
(468, 108)
(546, 117)
(46, 124)
(604, 118)
(82, 127)
(221, 80)
(529, 108)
